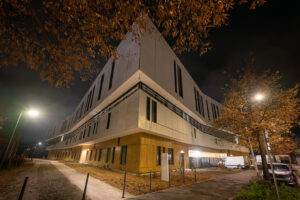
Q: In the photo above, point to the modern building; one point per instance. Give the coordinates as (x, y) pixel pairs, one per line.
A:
(143, 104)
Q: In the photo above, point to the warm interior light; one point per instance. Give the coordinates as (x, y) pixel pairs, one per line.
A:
(33, 113)
(259, 97)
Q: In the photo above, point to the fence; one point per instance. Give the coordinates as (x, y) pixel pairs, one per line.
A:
(151, 181)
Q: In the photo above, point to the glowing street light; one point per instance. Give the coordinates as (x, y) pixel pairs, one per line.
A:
(31, 113)
(259, 97)
(40, 143)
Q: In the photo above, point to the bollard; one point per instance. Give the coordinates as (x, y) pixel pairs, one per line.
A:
(195, 175)
(150, 182)
(169, 178)
(123, 193)
(23, 188)
(86, 182)
(183, 176)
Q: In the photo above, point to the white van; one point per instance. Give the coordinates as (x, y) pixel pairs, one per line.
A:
(239, 162)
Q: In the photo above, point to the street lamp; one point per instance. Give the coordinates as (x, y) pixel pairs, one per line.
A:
(258, 98)
(31, 113)
(40, 143)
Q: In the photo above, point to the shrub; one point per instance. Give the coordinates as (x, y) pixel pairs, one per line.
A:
(263, 190)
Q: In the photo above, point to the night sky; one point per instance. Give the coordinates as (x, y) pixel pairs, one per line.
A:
(269, 33)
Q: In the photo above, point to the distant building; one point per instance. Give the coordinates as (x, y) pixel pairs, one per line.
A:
(141, 105)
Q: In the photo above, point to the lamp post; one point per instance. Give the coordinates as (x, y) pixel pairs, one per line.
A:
(258, 98)
(32, 113)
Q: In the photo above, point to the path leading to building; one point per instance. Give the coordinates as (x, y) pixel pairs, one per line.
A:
(52, 180)
(221, 188)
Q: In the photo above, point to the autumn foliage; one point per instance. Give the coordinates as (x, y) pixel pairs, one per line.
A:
(65, 38)
(275, 114)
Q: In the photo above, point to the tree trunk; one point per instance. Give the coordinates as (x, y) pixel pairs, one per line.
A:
(262, 150)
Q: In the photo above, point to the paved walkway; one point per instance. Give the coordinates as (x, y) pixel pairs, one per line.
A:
(96, 189)
(52, 180)
(221, 189)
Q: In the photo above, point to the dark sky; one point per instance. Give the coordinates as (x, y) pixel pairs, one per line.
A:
(270, 33)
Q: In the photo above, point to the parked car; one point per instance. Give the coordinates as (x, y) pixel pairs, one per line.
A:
(283, 173)
(239, 162)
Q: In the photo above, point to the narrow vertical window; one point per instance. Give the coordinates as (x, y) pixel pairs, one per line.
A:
(123, 155)
(208, 114)
(92, 98)
(195, 134)
(158, 156)
(218, 113)
(108, 121)
(202, 107)
(196, 99)
(175, 77)
(94, 128)
(111, 74)
(170, 156)
(154, 111)
(180, 82)
(95, 157)
(100, 86)
(100, 154)
(148, 109)
(91, 153)
(113, 155)
(89, 131)
(108, 154)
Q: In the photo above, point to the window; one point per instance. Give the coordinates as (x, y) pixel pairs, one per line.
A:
(118, 143)
(218, 113)
(158, 156)
(89, 131)
(111, 74)
(196, 99)
(92, 97)
(108, 121)
(81, 110)
(207, 110)
(95, 128)
(123, 155)
(179, 82)
(113, 155)
(164, 149)
(108, 154)
(195, 133)
(100, 86)
(154, 111)
(91, 153)
(95, 157)
(100, 154)
(148, 109)
(170, 156)
(175, 77)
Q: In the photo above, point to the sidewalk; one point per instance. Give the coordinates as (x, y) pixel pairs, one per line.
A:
(96, 189)
(222, 189)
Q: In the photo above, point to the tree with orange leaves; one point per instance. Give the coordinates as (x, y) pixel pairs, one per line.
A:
(256, 106)
(65, 38)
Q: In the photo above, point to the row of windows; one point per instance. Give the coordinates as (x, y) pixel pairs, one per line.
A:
(170, 155)
(96, 155)
(154, 110)
(178, 79)
(86, 131)
(85, 106)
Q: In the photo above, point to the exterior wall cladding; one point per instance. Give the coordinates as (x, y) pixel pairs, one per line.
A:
(140, 105)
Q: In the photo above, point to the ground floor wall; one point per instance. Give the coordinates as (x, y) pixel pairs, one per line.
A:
(137, 153)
